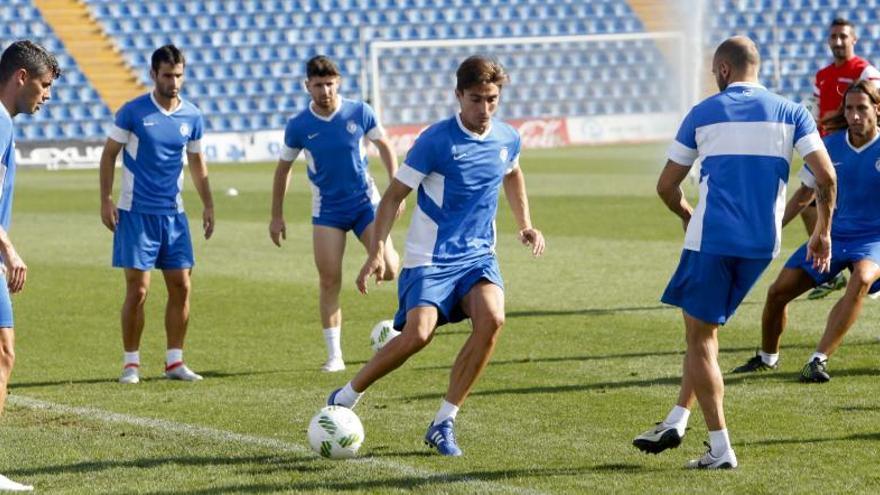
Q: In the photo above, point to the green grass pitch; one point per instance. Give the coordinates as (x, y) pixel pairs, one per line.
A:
(588, 358)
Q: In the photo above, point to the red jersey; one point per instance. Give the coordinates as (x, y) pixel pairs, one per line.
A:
(832, 81)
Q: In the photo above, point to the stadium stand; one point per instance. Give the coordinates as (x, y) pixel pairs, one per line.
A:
(791, 35)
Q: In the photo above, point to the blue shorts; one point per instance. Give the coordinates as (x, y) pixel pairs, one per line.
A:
(357, 219)
(710, 287)
(843, 254)
(443, 287)
(6, 320)
(144, 241)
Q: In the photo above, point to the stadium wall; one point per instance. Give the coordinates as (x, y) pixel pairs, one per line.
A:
(262, 146)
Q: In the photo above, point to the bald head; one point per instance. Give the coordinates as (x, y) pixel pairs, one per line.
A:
(736, 60)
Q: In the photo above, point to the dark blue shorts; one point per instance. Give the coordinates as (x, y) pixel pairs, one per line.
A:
(442, 287)
(356, 219)
(710, 287)
(144, 241)
(6, 319)
(843, 254)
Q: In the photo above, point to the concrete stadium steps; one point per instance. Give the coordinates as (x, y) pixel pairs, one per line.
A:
(94, 52)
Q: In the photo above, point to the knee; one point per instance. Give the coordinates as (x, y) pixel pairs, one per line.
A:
(489, 325)
(415, 339)
(136, 294)
(777, 295)
(331, 281)
(862, 281)
(7, 361)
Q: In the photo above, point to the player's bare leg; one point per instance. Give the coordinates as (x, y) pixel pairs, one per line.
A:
(392, 259)
(844, 314)
(7, 361)
(137, 284)
(178, 283)
(791, 283)
(329, 248)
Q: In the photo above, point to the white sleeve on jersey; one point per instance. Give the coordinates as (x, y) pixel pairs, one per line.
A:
(289, 154)
(194, 146)
(409, 176)
(377, 132)
(681, 154)
(871, 74)
(809, 143)
(807, 178)
(119, 135)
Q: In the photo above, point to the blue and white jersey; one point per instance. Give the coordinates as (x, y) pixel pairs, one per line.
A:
(7, 167)
(155, 140)
(336, 158)
(458, 174)
(744, 137)
(858, 186)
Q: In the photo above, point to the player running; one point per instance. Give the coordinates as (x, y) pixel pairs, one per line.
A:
(744, 135)
(27, 72)
(150, 228)
(855, 235)
(344, 197)
(450, 270)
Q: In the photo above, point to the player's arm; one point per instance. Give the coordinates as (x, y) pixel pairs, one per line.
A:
(389, 160)
(109, 215)
(198, 169)
(796, 204)
(385, 215)
(669, 190)
(277, 228)
(819, 245)
(16, 270)
(515, 191)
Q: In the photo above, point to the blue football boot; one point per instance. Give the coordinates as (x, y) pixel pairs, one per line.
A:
(442, 437)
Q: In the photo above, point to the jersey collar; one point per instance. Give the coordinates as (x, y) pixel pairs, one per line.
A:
(329, 117)
(746, 85)
(864, 146)
(470, 133)
(161, 109)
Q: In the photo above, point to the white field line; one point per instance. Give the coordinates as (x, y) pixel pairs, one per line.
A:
(223, 436)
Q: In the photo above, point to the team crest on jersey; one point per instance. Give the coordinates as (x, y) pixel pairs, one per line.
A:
(351, 127)
(504, 154)
(877, 165)
(184, 129)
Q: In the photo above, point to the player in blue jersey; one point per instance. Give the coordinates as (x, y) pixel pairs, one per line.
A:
(331, 134)
(450, 271)
(855, 235)
(744, 136)
(27, 72)
(150, 228)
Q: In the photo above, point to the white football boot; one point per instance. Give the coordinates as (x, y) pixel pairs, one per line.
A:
(131, 374)
(7, 485)
(180, 371)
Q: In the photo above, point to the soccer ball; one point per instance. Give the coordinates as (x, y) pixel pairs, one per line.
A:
(382, 333)
(336, 433)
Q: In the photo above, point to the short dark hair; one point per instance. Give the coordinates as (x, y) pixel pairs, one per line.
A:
(168, 54)
(841, 21)
(740, 52)
(480, 69)
(30, 56)
(321, 66)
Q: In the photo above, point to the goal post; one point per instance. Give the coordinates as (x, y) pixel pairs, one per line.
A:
(617, 78)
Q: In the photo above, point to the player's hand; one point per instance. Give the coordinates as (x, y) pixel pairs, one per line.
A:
(208, 222)
(109, 214)
(400, 210)
(533, 237)
(819, 252)
(277, 230)
(16, 270)
(374, 266)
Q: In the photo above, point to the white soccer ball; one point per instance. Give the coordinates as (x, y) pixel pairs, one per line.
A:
(232, 192)
(336, 433)
(382, 333)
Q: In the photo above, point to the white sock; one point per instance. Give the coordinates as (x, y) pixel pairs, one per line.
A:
(769, 359)
(332, 336)
(447, 410)
(173, 356)
(131, 358)
(719, 442)
(678, 418)
(347, 397)
(817, 354)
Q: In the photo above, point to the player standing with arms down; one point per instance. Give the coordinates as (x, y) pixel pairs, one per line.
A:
(331, 133)
(450, 270)
(855, 235)
(150, 228)
(27, 71)
(745, 136)
(831, 82)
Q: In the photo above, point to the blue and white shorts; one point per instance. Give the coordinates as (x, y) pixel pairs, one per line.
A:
(6, 319)
(144, 241)
(442, 287)
(710, 287)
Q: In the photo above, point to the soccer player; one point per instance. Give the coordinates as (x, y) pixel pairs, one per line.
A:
(27, 71)
(831, 82)
(744, 135)
(344, 197)
(150, 228)
(450, 271)
(855, 235)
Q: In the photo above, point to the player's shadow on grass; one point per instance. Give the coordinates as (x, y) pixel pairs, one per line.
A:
(845, 438)
(287, 463)
(213, 374)
(587, 311)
